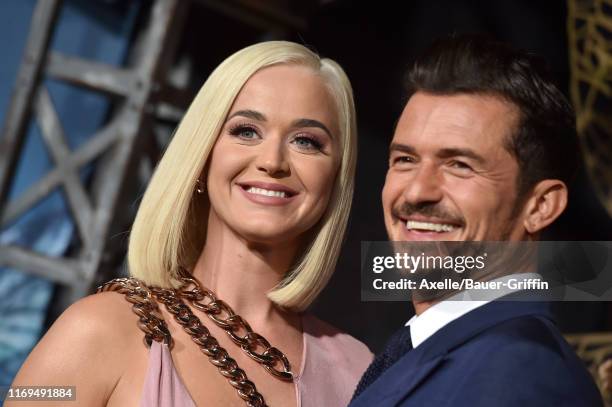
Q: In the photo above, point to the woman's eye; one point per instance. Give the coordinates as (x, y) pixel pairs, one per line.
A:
(248, 133)
(244, 132)
(306, 143)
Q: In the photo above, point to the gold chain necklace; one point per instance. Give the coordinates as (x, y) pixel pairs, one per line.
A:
(240, 332)
(151, 322)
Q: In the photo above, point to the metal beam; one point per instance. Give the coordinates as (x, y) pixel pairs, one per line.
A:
(53, 135)
(91, 75)
(97, 145)
(111, 178)
(61, 270)
(16, 120)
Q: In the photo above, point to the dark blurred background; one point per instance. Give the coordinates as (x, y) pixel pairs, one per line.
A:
(376, 45)
(375, 42)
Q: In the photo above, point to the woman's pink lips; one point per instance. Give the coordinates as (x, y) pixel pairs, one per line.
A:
(264, 199)
(269, 186)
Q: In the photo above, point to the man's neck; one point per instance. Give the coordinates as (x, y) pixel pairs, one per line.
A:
(422, 306)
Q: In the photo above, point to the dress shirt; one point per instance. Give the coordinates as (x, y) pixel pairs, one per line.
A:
(444, 312)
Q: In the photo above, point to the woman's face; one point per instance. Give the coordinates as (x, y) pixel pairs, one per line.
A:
(273, 167)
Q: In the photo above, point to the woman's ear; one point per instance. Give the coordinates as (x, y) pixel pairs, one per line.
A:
(548, 200)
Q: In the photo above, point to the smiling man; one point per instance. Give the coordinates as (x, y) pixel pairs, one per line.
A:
(483, 151)
(451, 176)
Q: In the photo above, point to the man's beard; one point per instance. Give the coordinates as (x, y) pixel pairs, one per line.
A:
(435, 210)
(441, 214)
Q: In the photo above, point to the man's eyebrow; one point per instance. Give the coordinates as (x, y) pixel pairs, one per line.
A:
(404, 148)
(249, 114)
(461, 152)
(311, 123)
(442, 153)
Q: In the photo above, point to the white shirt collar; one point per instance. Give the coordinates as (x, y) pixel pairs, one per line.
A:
(444, 312)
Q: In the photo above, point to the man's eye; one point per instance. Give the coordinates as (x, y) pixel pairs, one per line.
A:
(460, 165)
(403, 159)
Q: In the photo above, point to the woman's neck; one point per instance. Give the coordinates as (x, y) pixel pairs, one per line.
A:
(241, 274)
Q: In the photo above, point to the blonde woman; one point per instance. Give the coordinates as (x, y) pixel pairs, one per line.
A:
(250, 201)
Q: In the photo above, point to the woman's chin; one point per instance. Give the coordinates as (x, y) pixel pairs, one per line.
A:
(269, 236)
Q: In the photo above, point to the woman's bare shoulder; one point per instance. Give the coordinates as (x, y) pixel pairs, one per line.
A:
(106, 313)
(105, 320)
(86, 347)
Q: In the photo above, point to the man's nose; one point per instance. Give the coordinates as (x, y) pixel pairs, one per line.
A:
(272, 157)
(425, 185)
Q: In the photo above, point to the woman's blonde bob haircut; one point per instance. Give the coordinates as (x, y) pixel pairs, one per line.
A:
(170, 227)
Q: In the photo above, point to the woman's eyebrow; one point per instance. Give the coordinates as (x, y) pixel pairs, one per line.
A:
(311, 123)
(249, 114)
(255, 115)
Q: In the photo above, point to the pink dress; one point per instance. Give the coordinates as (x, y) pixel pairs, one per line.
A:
(332, 364)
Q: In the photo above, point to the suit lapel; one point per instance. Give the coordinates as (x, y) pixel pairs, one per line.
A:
(401, 379)
(473, 323)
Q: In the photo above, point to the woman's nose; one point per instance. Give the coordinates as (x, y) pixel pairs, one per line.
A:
(272, 157)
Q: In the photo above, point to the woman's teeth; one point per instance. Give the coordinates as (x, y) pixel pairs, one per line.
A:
(432, 227)
(266, 192)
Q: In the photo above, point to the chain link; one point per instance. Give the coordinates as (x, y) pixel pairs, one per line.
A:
(207, 343)
(151, 322)
(239, 331)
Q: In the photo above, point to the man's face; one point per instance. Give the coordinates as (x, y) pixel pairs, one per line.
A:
(450, 176)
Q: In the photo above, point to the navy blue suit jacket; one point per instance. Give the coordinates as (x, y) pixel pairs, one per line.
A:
(501, 354)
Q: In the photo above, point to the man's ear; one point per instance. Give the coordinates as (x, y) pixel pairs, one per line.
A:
(548, 200)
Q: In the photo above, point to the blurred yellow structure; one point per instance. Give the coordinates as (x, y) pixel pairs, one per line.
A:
(590, 52)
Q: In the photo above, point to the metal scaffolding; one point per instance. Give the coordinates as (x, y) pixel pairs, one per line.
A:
(120, 149)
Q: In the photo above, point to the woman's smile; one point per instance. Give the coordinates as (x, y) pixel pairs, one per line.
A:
(267, 193)
(273, 167)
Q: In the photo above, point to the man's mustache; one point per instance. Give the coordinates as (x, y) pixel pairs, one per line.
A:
(428, 209)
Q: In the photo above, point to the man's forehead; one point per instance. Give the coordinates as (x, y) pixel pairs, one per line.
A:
(459, 119)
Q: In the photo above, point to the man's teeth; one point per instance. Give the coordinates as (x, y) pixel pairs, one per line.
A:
(434, 227)
(266, 192)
